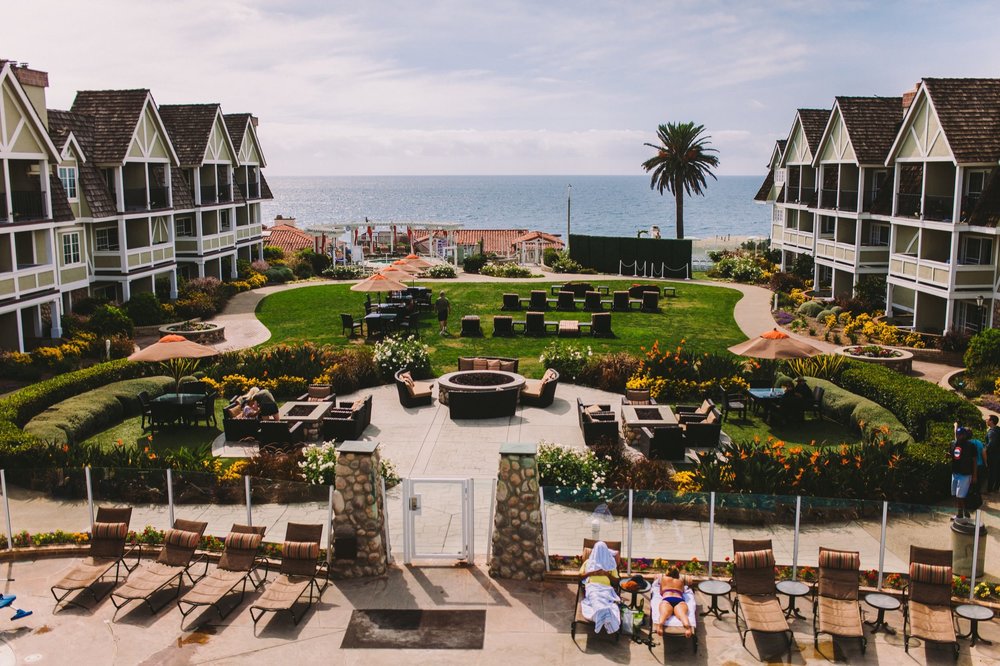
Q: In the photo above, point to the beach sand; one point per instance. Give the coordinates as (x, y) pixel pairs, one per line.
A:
(702, 246)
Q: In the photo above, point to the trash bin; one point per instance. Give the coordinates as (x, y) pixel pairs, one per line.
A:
(962, 542)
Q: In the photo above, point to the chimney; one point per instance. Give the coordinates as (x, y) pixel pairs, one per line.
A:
(254, 120)
(34, 83)
(909, 95)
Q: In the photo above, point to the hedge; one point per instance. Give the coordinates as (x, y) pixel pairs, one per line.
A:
(915, 402)
(858, 412)
(75, 419)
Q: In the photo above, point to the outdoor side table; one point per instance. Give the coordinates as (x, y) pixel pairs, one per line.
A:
(883, 602)
(793, 589)
(974, 614)
(714, 589)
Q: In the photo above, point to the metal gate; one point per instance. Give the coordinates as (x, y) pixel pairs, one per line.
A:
(438, 519)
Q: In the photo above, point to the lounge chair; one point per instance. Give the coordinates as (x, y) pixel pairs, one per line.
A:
(588, 545)
(348, 420)
(471, 327)
(704, 433)
(592, 302)
(318, 393)
(927, 613)
(503, 326)
(349, 326)
(171, 565)
(836, 610)
(731, 402)
(538, 300)
(107, 552)
(411, 392)
(687, 413)
(237, 566)
(600, 325)
(650, 301)
(674, 626)
(599, 424)
(540, 392)
(638, 397)
(620, 301)
(756, 607)
(565, 301)
(281, 433)
(665, 443)
(535, 324)
(511, 303)
(297, 574)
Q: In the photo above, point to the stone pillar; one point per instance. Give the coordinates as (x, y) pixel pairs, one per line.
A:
(518, 550)
(358, 510)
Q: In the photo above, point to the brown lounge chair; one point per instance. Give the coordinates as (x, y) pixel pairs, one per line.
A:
(298, 574)
(107, 552)
(588, 545)
(757, 607)
(173, 562)
(237, 566)
(836, 610)
(927, 611)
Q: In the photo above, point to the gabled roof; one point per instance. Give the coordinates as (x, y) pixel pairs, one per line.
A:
(265, 189)
(92, 184)
(190, 127)
(765, 187)
(872, 124)
(496, 241)
(813, 123)
(969, 113)
(39, 129)
(290, 239)
(61, 211)
(183, 197)
(115, 114)
(548, 240)
(238, 125)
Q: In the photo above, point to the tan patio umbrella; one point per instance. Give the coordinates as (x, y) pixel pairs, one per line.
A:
(406, 267)
(775, 345)
(178, 355)
(379, 283)
(417, 261)
(397, 273)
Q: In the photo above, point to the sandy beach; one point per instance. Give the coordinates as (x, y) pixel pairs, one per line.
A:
(702, 246)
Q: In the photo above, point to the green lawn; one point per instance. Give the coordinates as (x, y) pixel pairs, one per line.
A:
(130, 432)
(812, 432)
(700, 314)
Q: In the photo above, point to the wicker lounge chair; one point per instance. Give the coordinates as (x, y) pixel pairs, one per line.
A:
(927, 613)
(297, 575)
(413, 393)
(836, 610)
(599, 424)
(540, 392)
(237, 566)
(503, 326)
(665, 443)
(107, 552)
(638, 397)
(511, 303)
(756, 607)
(565, 301)
(588, 545)
(174, 561)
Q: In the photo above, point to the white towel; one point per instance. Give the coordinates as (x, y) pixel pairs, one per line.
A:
(674, 621)
(600, 606)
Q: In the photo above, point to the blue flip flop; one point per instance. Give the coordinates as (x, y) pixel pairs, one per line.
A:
(21, 613)
(7, 601)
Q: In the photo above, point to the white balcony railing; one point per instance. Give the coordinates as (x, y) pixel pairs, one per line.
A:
(134, 258)
(924, 271)
(26, 280)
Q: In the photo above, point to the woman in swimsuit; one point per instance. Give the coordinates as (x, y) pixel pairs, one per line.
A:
(672, 593)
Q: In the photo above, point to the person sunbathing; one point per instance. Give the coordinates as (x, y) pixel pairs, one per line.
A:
(670, 588)
(600, 601)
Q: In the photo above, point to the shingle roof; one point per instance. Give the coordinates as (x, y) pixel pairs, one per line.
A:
(92, 184)
(236, 123)
(114, 115)
(265, 189)
(765, 187)
(813, 124)
(548, 240)
(189, 126)
(872, 124)
(182, 195)
(61, 211)
(290, 239)
(496, 241)
(969, 112)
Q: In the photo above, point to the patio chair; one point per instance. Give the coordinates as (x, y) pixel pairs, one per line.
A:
(638, 397)
(620, 301)
(348, 421)
(650, 302)
(588, 545)
(318, 393)
(538, 300)
(503, 326)
(172, 564)
(408, 323)
(817, 404)
(161, 415)
(511, 303)
(836, 609)
(195, 387)
(107, 552)
(705, 433)
(564, 301)
(927, 613)
(731, 402)
(349, 326)
(540, 392)
(412, 393)
(471, 327)
(600, 325)
(281, 433)
(146, 410)
(535, 324)
(205, 410)
(237, 566)
(599, 424)
(298, 574)
(756, 607)
(665, 443)
(694, 412)
(592, 302)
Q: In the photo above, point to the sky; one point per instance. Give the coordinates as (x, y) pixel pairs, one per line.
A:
(501, 87)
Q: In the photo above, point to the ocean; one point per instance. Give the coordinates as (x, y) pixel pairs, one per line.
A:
(601, 205)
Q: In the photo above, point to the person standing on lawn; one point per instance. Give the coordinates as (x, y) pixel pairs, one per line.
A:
(993, 453)
(443, 307)
(963, 469)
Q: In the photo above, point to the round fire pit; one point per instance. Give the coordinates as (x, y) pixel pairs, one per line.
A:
(899, 360)
(482, 393)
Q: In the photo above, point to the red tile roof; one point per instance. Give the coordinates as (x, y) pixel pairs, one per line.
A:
(289, 239)
(496, 241)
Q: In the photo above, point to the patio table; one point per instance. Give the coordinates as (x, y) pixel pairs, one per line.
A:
(310, 414)
(379, 322)
(183, 404)
(765, 398)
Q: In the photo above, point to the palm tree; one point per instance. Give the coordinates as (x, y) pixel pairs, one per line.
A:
(680, 165)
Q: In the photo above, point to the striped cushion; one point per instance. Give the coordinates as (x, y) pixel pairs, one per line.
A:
(754, 559)
(110, 530)
(839, 559)
(549, 376)
(300, 550)
(181, 539)
(929, 573)
(241, 541)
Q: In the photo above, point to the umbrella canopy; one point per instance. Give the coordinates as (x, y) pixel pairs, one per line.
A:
(379, 283)
(406, 267)
(170, 347)
(775, 345)
(414, 260)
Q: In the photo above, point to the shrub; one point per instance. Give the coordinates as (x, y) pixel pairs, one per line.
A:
(319, 463)
(473, 263)
(507, 271)
(860, 414)
(810, 308)
(18, 365)
(610, 372)
(822, 315)
(301, 268)
(260, 266)
(145, 310)
(442, 271)
(565, 264)
(318, 262)
(279, 274)
(567, 359)
(784, 283)
(108, 321)
(272, 253)
(256, 280)
(197, 305)
(402, 353)
(803, 266)
(87, 305)
(344, 272)
(566, 467)
(983, 353)
(824, 366)
(550, 255)
(953, 341)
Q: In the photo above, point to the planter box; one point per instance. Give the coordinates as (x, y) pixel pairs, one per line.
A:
(208, 336)
(902, 363)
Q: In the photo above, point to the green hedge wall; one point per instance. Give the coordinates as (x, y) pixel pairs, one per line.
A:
(858, 412)
(915, 402)
(602, 253)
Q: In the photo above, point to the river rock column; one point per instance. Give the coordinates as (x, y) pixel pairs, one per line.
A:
(358, 510)
(518, 549)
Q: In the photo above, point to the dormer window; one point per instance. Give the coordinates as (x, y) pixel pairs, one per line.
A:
(68, 177)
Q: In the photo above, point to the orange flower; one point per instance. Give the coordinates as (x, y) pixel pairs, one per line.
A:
(65, 448)
(119, 442)
(149, 438)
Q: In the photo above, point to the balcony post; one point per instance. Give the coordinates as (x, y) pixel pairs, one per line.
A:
(120, 187)
(43, 183)
(56, 315)
(956, 201)
(6, 193)
(148, 202)
(173, 285)
(20, 329)
(196, 184)
(168, 183)
(895, 188)
(923, 189)
(949, 314)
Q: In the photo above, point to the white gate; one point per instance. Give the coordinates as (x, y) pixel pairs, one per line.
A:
(438, 519)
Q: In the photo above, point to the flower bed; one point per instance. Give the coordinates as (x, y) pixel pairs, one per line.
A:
(900, 360)
(199, 332)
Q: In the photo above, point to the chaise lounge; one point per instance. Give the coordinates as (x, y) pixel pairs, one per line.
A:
(238, 565)
(411, 392)
(298, 574)
(107, 551)
(756, 607)
(540, 392)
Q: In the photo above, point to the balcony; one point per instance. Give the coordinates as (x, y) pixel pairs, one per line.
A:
(208, 195)
(907, 205)
(829, 199)
(938, 207)
(3, 206)
(969, 203)
(809, 198)
(135, 198)
(28, 205)
(158, 197)
(924, 271)
(848, 200)
(250, 191)
(224, 193)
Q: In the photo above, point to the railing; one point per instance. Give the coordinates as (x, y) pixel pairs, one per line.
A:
(829, 199)
(809, 198)
(158, 197)
(792, 194)
(877, 203)
(250, 190)
(224, 193)
(938, 207)
(135, 198)
(907, 205)
(848, 200)
(208, 195)
(28, 205)
(969, 203)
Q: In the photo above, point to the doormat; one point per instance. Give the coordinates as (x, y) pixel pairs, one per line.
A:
(416, 630)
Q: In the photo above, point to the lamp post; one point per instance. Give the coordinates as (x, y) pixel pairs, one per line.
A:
(983, 319)
(569, 207)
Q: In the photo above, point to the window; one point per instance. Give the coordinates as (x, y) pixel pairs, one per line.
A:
(975, 182)
(828, 225)
(878, 181)
(224, 220)
(71, 248)
(68, 177)
(976, 250)
(779, 176)
(160, 234)
(878, 235)
(971, 318)
(185, 227)
(106, 239)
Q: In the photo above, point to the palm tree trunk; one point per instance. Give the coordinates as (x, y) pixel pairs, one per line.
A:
(679, 203)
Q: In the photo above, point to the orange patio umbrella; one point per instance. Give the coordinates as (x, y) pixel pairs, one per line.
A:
(414, 260)
(775, 344)
(379, 283)
(406, 267)
(178, 355)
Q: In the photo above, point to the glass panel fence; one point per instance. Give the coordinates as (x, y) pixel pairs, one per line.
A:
(572, 515)
(143, 490)
(910, 525)
(839, 524)
(46, 500)
(990, 544)
(669, 526)
(276, 503)
(203, 497)
(754, 517)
